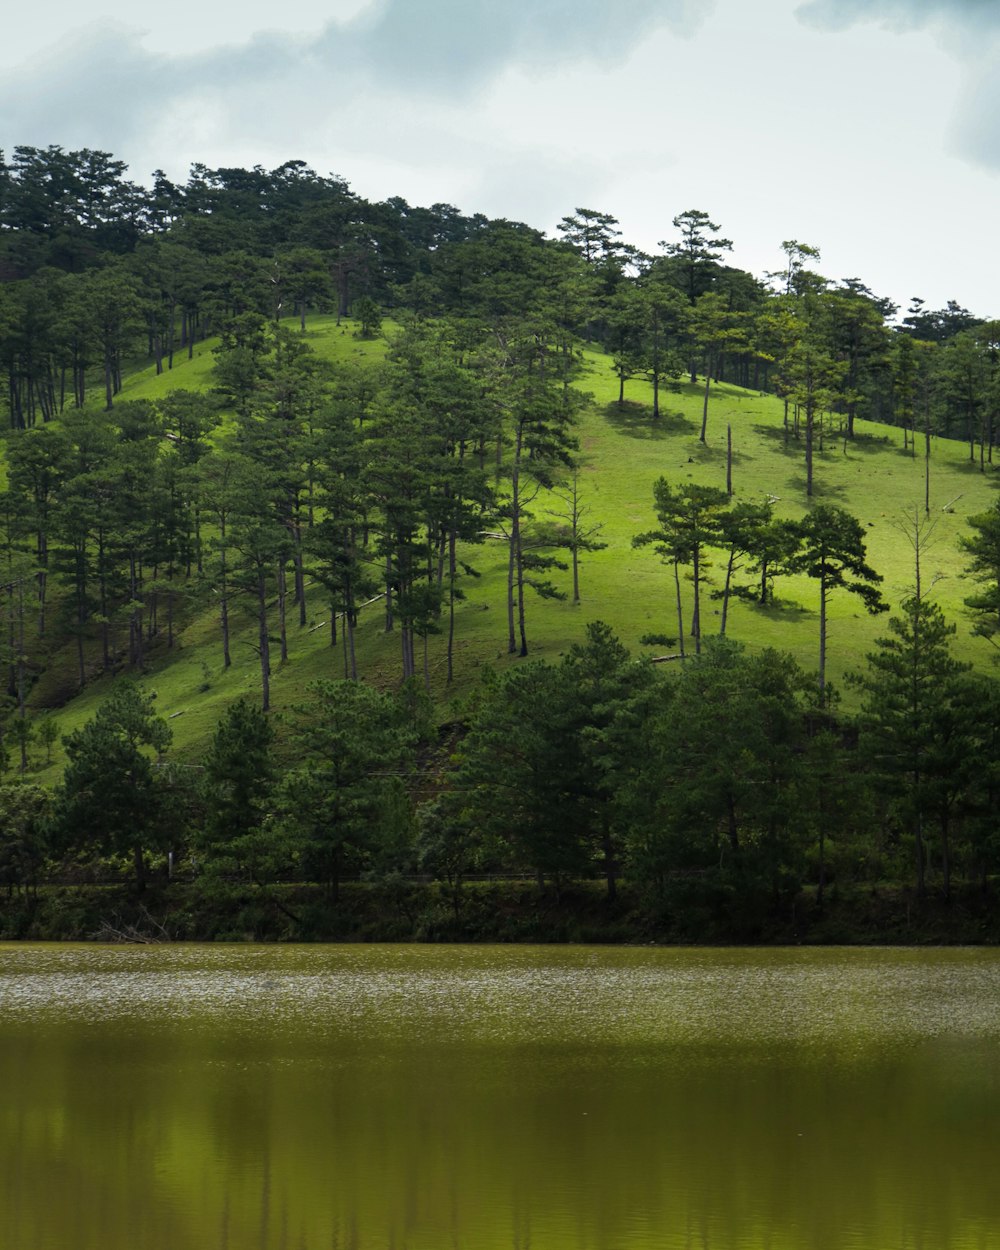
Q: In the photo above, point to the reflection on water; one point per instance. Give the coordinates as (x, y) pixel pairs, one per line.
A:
(321, 1098)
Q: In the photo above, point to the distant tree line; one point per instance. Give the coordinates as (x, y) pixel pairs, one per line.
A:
(96, 270)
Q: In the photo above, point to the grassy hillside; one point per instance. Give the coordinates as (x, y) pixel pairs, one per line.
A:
(622, 452)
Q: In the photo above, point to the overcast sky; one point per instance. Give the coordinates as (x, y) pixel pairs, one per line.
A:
(867, 128)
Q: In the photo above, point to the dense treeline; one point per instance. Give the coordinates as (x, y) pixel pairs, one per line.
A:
(718, 790)
(95, 269)
(722, 780)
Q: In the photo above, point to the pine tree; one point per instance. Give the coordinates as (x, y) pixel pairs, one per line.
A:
(913, 723)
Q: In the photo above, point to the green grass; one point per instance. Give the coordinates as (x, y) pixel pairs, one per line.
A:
(873, 479)
(623, 452)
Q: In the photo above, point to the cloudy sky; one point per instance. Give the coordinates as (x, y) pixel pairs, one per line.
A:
(867, 128)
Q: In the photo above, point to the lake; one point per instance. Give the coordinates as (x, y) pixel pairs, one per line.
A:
(472, 1098)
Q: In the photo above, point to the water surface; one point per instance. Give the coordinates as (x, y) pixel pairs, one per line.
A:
(332, 1097)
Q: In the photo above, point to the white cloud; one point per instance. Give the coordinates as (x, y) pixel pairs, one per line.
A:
(175, 29)
(903, 14)
(844, 138)
(969, 29)
(107, 84)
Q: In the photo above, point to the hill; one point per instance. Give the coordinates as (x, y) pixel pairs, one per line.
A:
(622, 451)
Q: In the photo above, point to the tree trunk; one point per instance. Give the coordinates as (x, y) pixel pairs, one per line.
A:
(704, 407)
(282, 619)
(734, 830)
(139, 861)
(927, 464)
(822, 642)
(42, 548)
(696, 614)
(520, 602)
(515, 572)
(452, 566)
(821, 883)
(729, 460)
(726, 591)
(349, 631)
(680, 610)
(135, 617)
(81, 612)
(263, 640)
(946, 855)
(224, 612)
(300, 582)
(610, 864)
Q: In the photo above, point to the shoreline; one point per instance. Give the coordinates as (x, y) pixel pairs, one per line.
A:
(493, 912)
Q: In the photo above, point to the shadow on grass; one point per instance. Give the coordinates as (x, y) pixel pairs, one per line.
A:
(693, 390)
(715, 453)
(781, 610)
(970, 468)
(867, 444)
(775, 434)
(823, 490)
(916, 449)
(914, 454)
(832, 444)
(636, 421)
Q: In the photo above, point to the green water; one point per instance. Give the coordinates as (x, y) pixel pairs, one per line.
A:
(466, 1098)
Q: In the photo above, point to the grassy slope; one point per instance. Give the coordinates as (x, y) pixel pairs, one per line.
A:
(623, 454)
